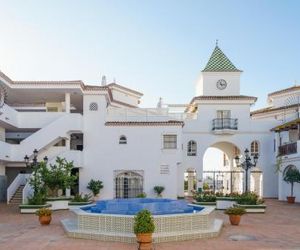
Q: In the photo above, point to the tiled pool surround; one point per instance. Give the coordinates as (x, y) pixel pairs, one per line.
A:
(113, 227)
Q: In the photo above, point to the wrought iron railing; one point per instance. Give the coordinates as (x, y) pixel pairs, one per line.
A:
(224, 123)
(287, 149)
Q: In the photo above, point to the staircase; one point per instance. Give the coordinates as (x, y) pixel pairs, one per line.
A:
(17, 197)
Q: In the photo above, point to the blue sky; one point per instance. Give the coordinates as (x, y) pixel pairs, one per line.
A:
(156, 47)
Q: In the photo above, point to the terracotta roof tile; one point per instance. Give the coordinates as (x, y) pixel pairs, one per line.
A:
(140, 123)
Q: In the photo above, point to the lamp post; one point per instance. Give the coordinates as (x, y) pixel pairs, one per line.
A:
(34, 165)
(246, 164)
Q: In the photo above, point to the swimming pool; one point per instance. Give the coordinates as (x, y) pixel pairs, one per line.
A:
(133, 206)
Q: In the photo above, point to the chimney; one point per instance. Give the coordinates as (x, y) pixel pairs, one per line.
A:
(103, 81)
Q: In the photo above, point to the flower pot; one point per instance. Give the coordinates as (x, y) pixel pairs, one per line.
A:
(45, 220)
(291, 199)
(234, 219)
(145, 241)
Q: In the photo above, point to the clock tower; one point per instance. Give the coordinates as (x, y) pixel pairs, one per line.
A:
(219, 77)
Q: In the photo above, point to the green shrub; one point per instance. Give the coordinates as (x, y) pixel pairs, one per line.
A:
(158, 190)
(235, 211)
(143, 222)
(43, 212)
(82, 198)
(37, 199)
(249, 198)
(95, 186)
(142, 195)
(292, 176)
(204, 197)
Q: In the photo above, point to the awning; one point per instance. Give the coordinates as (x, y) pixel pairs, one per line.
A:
(287, 126)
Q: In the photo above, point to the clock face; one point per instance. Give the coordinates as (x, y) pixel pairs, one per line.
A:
(221, 84)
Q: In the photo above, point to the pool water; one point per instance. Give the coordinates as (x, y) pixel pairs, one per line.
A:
(157, 206)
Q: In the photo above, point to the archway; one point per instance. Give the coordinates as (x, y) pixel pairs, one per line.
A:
(220, 173)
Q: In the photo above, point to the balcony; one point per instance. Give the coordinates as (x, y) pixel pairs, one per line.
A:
(224, 126)
(287, 149)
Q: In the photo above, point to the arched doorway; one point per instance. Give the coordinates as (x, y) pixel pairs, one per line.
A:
(128, 184)
(220, 173)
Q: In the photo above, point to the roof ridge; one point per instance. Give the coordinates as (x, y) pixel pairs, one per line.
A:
(219, 62)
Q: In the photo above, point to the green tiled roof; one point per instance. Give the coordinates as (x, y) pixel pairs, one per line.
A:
(219, 62)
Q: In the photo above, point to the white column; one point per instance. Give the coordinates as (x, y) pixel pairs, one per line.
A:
(190, 182)
(180, 180)
(67, 102)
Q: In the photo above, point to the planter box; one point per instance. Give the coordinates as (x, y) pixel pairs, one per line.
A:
(225, 202)
(58, 203)
(78, 204)
(31, 209)
(205, 203)
(261, 208)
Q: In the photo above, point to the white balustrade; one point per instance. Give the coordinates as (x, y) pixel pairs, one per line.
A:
(146, 114)
(21, 179)
(27, 191)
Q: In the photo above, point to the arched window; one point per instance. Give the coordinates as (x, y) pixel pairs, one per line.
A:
(254, 148)
(93, 106)
(192, 148)
(123, 139)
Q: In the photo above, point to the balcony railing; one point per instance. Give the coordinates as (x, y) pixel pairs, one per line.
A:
(287, 149)
(224, 123)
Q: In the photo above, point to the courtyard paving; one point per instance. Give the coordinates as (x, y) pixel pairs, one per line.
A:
(278, 228)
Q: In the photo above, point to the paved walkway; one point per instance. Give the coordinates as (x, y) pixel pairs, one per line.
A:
(279, 228)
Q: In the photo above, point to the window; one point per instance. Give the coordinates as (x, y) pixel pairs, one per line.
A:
(254, 148)
(123, 139)
(170, 141)
(192, 148)
(223, 114)
(93, 106)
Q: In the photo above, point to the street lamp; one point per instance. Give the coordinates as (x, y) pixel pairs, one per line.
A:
(34, 165)
(247, 164)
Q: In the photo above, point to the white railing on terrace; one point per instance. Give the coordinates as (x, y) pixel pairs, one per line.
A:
(21, 179)
(27, 191)
(146, 114)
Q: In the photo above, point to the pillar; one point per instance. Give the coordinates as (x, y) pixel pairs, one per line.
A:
(67, 102)
(190, 182)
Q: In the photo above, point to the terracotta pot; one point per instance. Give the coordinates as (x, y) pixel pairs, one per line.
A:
(291, 199)
(145, 241)
(234, 219)
(45, 220)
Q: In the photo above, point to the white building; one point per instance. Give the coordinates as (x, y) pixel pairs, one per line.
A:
(132, 149)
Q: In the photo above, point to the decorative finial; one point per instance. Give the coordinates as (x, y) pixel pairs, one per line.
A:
(114, 81)
(217, 42)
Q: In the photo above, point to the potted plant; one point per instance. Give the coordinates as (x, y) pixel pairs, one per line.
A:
(95, 187)
(158, 190)
(291, 176)
(44, 215)
(143, 228)
(235, 214)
